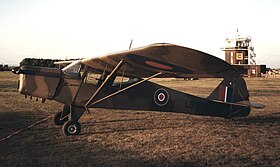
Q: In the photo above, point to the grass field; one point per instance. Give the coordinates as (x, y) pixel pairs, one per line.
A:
(139, 138)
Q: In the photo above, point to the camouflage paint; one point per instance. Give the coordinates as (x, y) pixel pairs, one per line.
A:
(165, 59)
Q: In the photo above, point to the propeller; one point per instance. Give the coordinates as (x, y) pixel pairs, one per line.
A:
(16, 70)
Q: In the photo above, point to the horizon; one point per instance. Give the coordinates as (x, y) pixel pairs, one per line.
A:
(74, 29)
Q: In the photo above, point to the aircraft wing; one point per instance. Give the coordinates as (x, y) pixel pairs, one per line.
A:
(171, 60)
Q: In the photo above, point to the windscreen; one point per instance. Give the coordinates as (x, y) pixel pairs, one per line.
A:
(73, 70)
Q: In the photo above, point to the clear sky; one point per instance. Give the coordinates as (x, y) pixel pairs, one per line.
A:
(74, 29)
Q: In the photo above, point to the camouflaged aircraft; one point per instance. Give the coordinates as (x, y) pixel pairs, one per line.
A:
(121, 81)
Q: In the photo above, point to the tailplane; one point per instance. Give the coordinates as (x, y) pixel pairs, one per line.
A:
(252, 104)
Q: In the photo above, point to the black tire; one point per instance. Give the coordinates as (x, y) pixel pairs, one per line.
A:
(71, 128)
(57, 120)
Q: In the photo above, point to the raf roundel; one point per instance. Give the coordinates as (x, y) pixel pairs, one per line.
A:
(161, 97)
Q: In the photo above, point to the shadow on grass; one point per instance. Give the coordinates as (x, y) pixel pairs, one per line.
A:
(74, 155)
(144, 124)
(44, 145)
(273, 118)
(13, 121)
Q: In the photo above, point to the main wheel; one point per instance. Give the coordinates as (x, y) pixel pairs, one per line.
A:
(57, 119)
(71, 128)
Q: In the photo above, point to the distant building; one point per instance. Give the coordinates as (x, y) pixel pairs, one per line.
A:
(240, 53)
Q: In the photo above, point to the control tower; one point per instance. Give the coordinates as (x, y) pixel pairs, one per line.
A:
(240, 53)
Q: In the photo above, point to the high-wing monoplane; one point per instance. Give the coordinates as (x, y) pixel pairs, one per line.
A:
(122, 81)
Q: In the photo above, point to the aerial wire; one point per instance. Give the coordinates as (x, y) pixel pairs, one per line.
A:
(25, 128)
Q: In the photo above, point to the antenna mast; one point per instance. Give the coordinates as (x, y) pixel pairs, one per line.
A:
(130, 44)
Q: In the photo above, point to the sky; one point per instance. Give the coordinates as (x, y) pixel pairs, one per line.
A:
(61, 29)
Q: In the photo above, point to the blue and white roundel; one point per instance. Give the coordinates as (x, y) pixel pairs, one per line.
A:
(161, 97)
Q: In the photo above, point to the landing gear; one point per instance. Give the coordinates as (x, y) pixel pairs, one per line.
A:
(70, 116)
(71, 128)
(57, 119)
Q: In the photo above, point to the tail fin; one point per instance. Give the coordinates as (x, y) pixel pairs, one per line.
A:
(231, 90)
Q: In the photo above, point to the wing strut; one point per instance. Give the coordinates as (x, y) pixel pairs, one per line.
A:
(115, 70)
(117, 92)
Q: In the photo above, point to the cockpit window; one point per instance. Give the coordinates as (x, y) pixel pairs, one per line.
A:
(73, 70)
(122, 81)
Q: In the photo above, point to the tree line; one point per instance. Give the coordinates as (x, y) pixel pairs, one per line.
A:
(4, 67)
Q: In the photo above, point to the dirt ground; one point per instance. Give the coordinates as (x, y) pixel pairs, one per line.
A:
(141, 138)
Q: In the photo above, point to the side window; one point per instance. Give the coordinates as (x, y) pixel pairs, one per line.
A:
(120, 81)
(92, 78)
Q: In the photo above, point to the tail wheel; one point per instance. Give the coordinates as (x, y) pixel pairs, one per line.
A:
(57, 119)
(71, 128)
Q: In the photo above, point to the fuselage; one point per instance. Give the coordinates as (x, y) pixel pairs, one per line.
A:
(76, 88)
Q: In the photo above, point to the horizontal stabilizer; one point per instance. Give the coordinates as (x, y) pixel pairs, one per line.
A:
(253, 104)
(257, 105)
